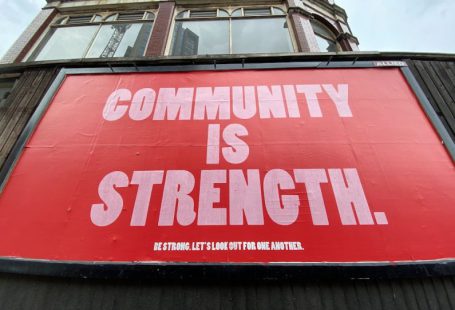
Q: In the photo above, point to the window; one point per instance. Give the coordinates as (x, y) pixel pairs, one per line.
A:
(244, 30)
(327, 41)
(122, 34)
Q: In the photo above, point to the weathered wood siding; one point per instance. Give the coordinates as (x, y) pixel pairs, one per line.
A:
(437, 79)
(21, 103)
(26, 292)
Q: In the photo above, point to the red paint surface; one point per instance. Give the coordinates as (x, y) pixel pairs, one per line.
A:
(404, 169)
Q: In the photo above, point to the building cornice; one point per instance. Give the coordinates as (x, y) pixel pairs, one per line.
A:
(301, 11)
(226, 2)
(330, 7)
(222, 59)
(347, 36)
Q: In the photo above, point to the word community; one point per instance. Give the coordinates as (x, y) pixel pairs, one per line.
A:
(224, 103)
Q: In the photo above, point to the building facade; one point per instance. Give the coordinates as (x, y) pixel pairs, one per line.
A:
(76, 29)
(222, 154)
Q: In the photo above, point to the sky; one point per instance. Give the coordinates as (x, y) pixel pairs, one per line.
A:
(380, 25)
(402, 25)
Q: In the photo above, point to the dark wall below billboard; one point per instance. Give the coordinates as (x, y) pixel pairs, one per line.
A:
(25, 292)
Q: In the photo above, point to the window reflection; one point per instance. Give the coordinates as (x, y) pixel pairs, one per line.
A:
(96, 39)
(66, 43)
(217, 32)
(201, 38)
(260, 36)
(120, 40)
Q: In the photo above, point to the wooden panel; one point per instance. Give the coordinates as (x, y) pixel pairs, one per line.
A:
(21, 103)
(437, 79)
(24, 292)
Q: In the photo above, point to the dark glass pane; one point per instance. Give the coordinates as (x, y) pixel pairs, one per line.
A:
(268, 35)
(65, 43)
(130, 16)
(257, 12)
(120, 40)
(201, 37)
(202, 14)
(79, 19)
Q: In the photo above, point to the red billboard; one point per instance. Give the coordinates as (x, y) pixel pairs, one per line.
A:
(302, 165)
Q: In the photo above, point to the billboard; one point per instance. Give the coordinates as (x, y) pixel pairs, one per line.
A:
(260, 166)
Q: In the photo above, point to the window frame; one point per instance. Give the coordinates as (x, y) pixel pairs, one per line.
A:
(332, 37)
(62, 22)
(230, 10)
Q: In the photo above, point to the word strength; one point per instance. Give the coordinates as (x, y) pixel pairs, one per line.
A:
(229, 246)
(280, 195)
(224, 103)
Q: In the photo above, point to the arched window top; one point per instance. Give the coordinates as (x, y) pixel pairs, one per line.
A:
(325, 37)
(237, 13)
(320, 29)
(223, 13)
(97, 18)
(110, 18)
(61, 21)
(183, 14)
(149, 16)
(277, 11)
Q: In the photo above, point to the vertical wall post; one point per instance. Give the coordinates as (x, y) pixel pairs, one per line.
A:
(304, 35)
(161, 28)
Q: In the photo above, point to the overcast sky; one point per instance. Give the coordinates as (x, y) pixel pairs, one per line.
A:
(380, 25)
(402, 25)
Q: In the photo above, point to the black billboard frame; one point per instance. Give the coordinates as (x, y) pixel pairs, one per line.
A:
(230, 271)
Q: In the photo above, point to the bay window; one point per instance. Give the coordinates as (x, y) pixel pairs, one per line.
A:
(93, 36)
(239, 31)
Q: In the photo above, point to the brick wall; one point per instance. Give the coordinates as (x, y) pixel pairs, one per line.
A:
(162, 24)
(304, 33)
